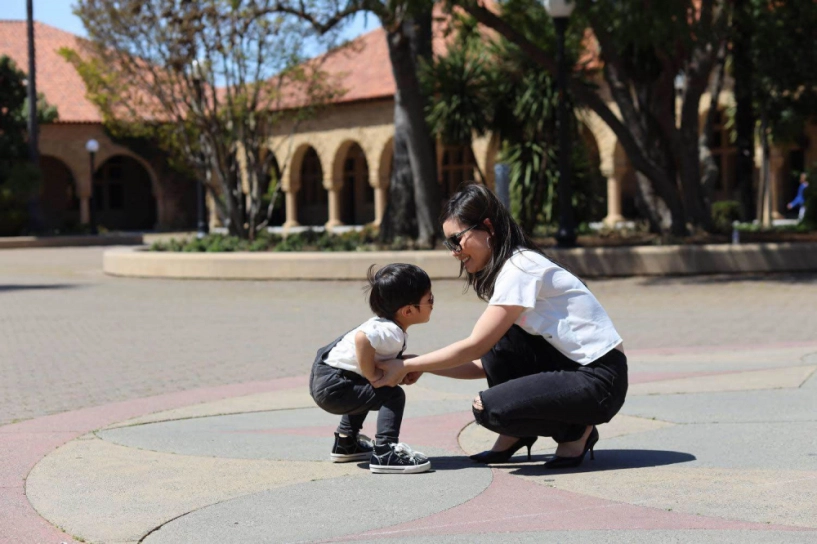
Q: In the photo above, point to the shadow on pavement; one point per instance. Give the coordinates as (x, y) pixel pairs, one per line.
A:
(453, 462)
(33, 287)
(612, 460)
(791, 278)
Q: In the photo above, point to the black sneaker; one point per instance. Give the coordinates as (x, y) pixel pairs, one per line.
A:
(351, 448)
(397, 459)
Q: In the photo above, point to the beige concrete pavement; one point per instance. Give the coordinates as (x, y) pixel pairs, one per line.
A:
(157, 446)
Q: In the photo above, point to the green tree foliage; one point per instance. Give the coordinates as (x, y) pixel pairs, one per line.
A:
(783, 63)
(209, 80)
(785, 88)
(483, 84)
(642, 47)
(19, 179)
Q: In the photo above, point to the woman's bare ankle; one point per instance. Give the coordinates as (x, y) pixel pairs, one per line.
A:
(503, 442)
(576, 447)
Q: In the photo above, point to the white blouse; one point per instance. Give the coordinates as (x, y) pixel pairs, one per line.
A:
(557, 305)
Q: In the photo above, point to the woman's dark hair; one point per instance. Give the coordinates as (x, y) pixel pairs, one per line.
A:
(394, 286)
(472, 206)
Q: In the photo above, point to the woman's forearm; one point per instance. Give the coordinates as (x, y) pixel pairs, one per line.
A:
(468, 371)
(490, 327)
(449, 357)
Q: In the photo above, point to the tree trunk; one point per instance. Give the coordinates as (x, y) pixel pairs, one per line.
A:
(744, 114)
(765, 195)
(400, 215)
(651, 206)
(698, 70)
(409, 100)
(695, 202)
(709, 168)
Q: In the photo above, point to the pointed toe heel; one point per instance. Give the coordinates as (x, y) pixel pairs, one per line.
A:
(573, 462)
(492, 457)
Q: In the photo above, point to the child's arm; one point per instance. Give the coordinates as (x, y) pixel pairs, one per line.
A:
(365, 357)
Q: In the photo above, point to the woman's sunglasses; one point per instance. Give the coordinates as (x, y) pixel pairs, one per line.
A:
(452, 243)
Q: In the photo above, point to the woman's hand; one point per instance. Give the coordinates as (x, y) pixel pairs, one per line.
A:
(393, 373)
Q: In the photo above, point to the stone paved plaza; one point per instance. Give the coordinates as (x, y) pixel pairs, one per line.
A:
(137, 410)
(71, 337)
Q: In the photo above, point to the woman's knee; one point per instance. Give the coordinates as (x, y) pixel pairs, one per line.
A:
(484, 415)
(477, 403)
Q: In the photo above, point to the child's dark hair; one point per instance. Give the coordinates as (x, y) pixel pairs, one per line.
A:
(394, 286)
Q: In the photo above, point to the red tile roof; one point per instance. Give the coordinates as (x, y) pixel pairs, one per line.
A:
(361, 68)
(56, 78)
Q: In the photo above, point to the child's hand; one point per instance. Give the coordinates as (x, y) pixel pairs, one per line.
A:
(393, 373)
(411, 378)
(376, 375)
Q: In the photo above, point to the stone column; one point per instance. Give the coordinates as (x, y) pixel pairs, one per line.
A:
(381, 197)
(480, 146)
(334, 190)
(776, 162)
(84, 209)
(291, 206)
(613, 198)
(82, 178)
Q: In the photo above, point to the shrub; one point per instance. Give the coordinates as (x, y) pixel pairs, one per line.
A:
(365, 239)
(724, 213)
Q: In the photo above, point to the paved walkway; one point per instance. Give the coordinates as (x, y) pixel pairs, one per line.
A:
(164, 411)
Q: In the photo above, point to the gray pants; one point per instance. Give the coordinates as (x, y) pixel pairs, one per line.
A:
(350, 395)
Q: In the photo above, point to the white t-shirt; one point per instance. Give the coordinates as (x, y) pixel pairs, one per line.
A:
(557, 305)
(385, 336)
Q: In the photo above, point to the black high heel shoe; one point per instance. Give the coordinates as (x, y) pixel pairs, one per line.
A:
(572, 462)
(505, 455)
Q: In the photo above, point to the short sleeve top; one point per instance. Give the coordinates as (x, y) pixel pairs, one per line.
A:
(557, 305)
(385, 336)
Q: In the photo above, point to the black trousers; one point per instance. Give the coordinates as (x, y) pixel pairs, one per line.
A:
(350, 395)
(534, 390)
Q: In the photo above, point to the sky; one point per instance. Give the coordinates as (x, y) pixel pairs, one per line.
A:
(58, 13)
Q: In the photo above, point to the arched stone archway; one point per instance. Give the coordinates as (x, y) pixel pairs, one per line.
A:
(385, 165)
(312, 198)
(456, 168)
(491, 158)
(274, 182)
(381, 178)
(356, 194)
(596, 187)
(591, 145)
(624, 174)
(59, 196)
(123, 195)
(724, 156)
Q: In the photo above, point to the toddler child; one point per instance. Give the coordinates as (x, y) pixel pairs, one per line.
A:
(400, 296)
